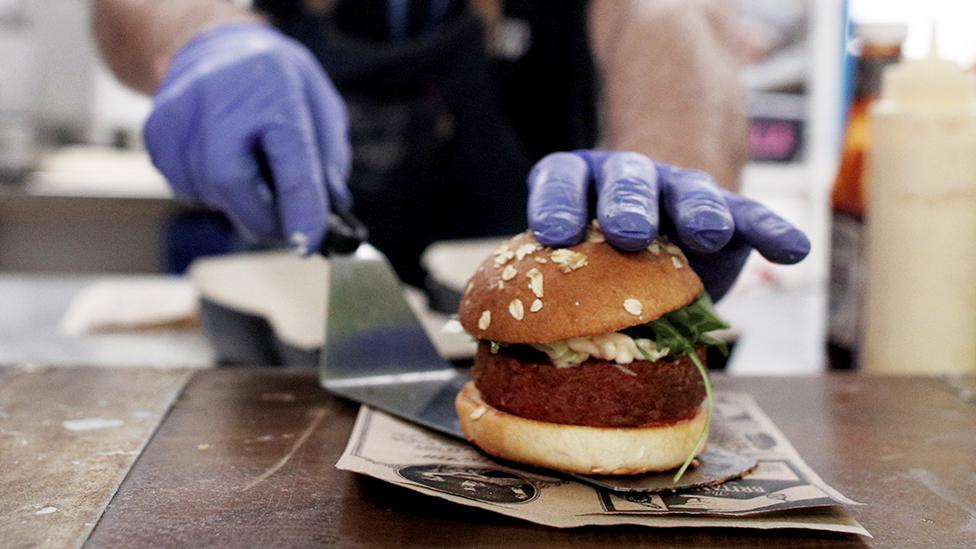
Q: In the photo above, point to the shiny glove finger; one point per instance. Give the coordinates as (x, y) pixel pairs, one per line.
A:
(332, 131)
(719, 270)
(696, 205)
(557, 199)
(236, 186)
(297, 179)
(168, 123)
(627, 203)
(253, 177)
(771, 235)
(248, 204)
(247, 121)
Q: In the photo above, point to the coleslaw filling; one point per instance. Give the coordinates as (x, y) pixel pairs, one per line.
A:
(614, 347)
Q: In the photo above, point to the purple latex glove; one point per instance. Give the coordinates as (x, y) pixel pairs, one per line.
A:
(246, 121)
(637, 199)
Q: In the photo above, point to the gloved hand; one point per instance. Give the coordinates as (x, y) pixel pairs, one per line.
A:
(714, 227)
(246, 121)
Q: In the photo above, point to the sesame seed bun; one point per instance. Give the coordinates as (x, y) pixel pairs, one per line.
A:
(576, 448)
(588, 289)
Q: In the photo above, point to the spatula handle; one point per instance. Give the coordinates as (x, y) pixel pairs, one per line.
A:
(345, 233)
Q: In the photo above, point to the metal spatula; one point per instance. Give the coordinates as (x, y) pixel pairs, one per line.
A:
(376, 351)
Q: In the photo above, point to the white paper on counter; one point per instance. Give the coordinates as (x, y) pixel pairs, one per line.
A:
(126, 305)
(783, 492)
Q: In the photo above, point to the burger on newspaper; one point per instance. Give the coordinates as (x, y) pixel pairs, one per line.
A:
(590, 360)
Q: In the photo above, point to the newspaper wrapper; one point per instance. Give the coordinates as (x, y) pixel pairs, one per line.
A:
(781, 492)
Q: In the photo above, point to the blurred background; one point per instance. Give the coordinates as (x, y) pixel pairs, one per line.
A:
(80, 203)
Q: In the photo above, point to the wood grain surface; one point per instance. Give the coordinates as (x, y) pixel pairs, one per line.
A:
(68, 436)
(246, 458)
(904, 446)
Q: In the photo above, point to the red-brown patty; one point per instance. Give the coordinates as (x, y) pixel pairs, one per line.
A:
(594, 393)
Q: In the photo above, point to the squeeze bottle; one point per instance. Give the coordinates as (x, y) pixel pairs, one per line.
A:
(920, 314)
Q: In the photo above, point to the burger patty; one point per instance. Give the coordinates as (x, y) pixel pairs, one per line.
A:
(594, 393)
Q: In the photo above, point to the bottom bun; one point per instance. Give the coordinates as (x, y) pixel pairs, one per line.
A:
(576, 448)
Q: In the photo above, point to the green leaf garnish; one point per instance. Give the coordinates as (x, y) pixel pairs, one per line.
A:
(709, 406)
(495, 347)
(717, 343)
(680, 331)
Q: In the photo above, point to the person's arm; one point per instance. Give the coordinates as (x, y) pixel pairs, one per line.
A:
(671, 94)
(670, 83)
(244, 118)
(139, 37)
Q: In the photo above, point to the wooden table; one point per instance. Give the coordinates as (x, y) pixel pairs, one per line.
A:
(244, 457)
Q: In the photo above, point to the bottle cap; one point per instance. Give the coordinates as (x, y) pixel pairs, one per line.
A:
(931, 81)
(881, 34)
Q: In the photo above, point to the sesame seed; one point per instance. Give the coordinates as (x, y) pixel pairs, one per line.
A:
(623, 369)
(526, 249)
(568, 260)
(509, 272)
(672, 249)
(677, 262)
(504, 257)
(468, 289)
(478, 412)
(593, 232)
(633, 306)
(535, 281)
(578, 260)
(536, 306)
(516, 309)
(561, 255)
(485, 320)
(541, 260)
(654, 248)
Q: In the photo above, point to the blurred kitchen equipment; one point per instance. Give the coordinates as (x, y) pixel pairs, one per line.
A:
(269, 308)
(921, 293)
(54, 89)
(17, 52)
(875, 46)
(265, 308)
(776, 126)
(119, 305)
(772, 39)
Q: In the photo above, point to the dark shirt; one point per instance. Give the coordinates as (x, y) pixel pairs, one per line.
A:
(445, 129)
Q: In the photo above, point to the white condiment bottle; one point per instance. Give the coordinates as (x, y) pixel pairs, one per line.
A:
(920, 314)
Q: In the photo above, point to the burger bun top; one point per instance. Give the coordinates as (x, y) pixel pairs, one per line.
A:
(528, 293)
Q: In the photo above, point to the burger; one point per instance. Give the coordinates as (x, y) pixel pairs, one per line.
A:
(590, 360)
